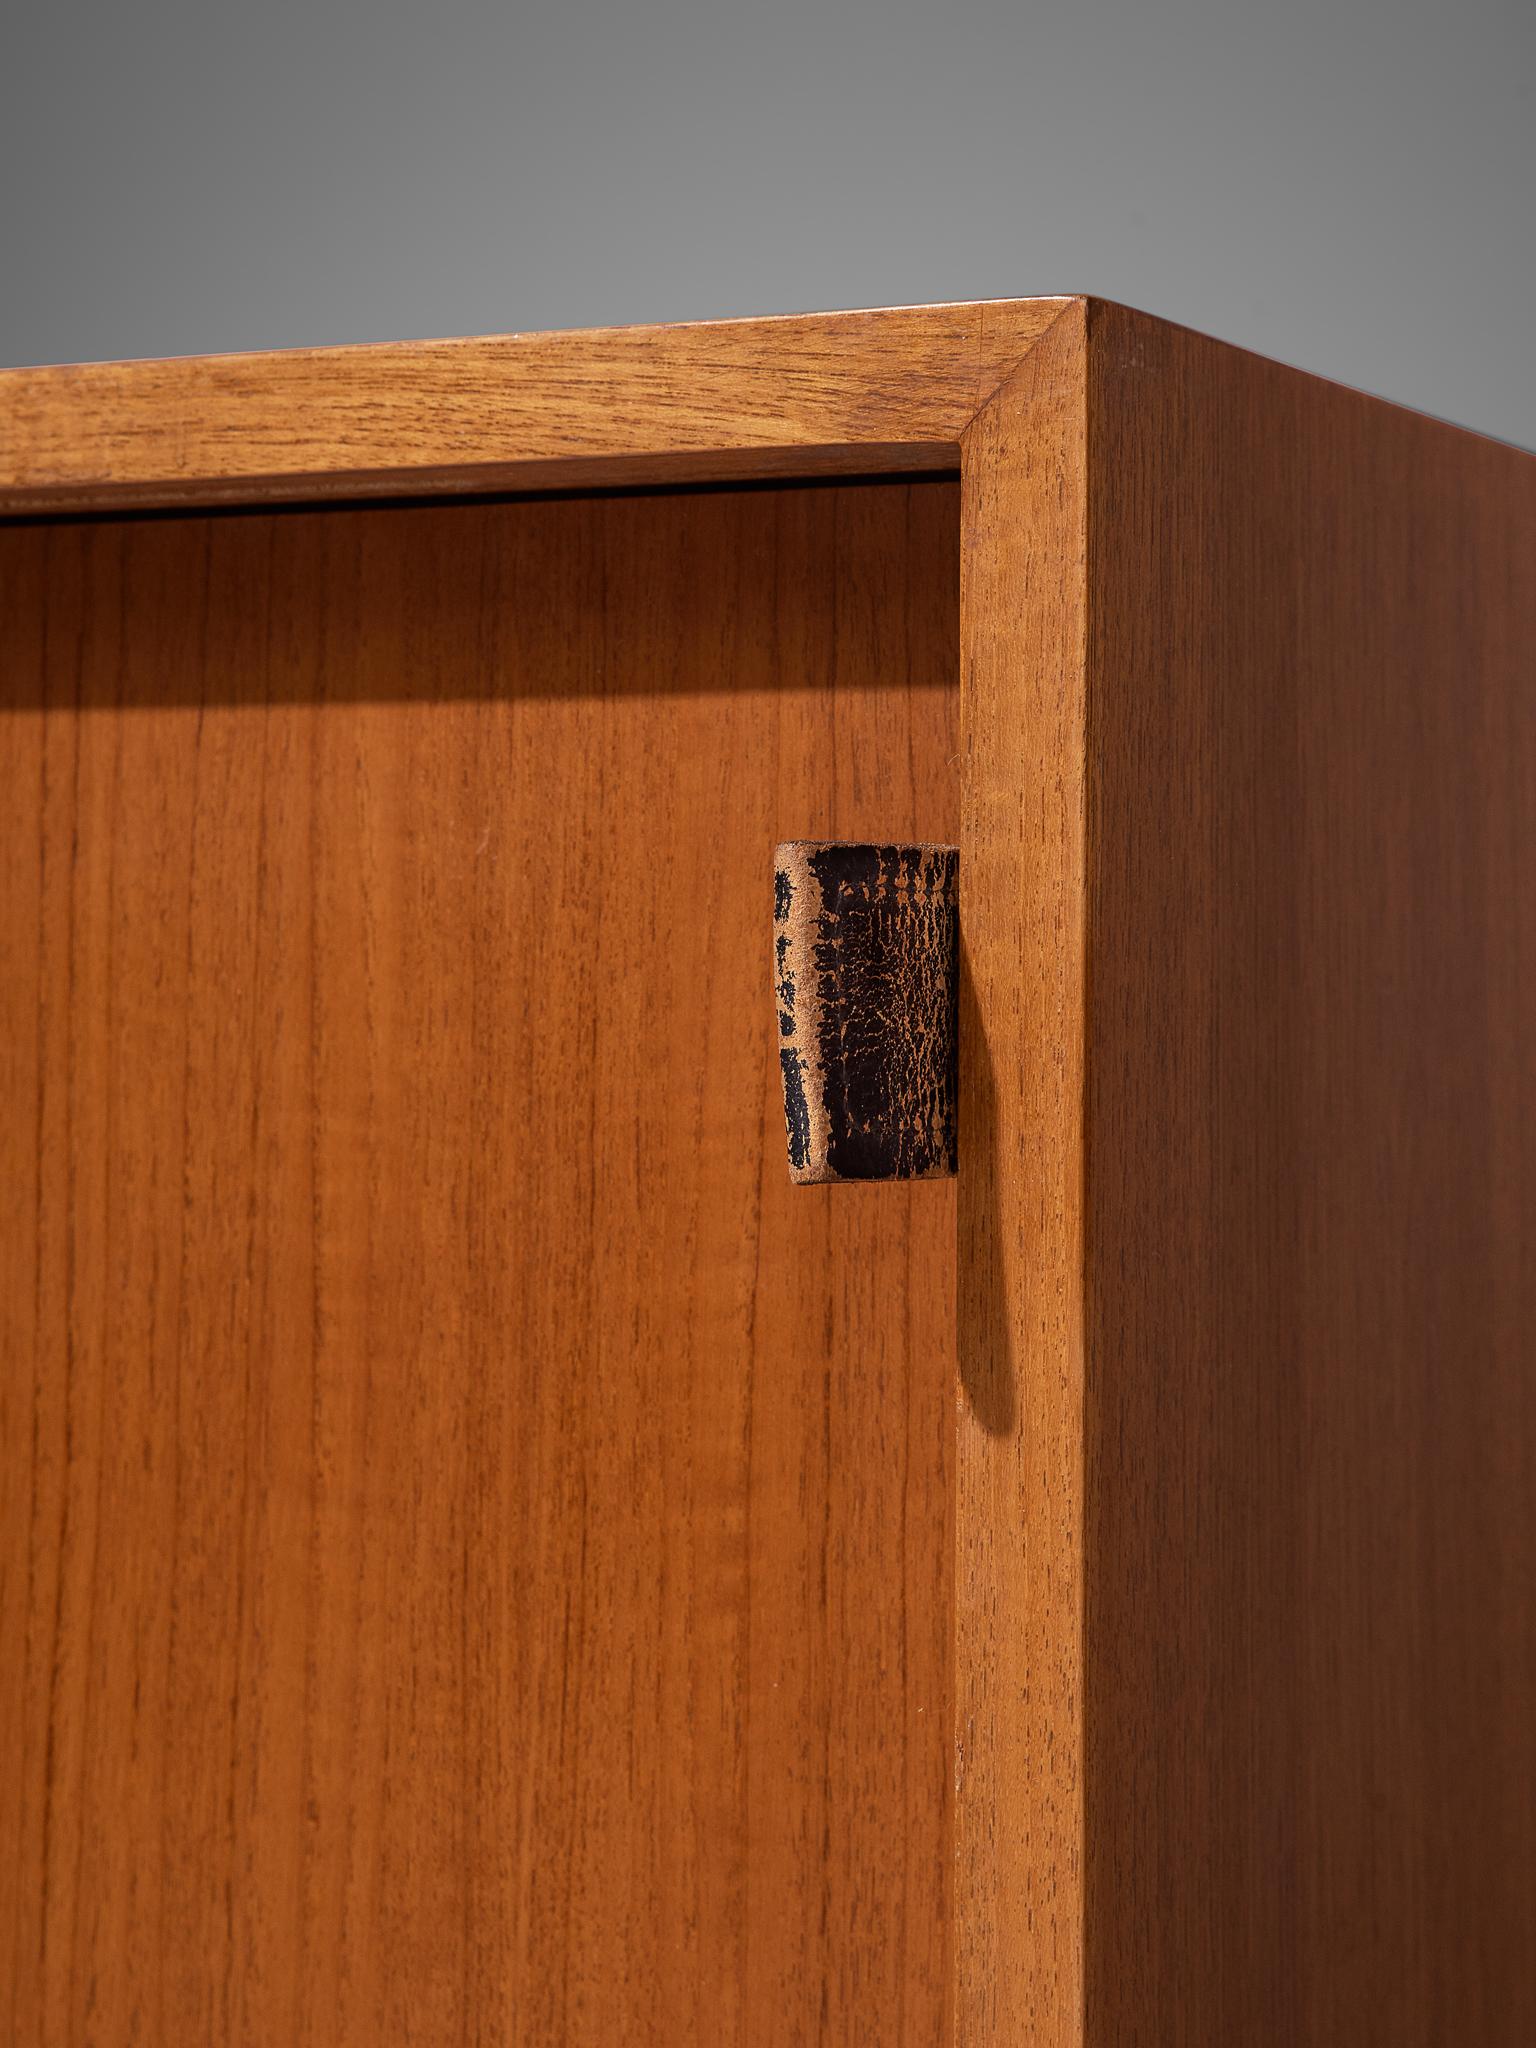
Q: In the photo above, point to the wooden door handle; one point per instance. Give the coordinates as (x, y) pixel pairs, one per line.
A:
(866, 981)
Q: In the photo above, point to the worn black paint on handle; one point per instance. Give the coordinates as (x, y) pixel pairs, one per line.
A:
(866, 983)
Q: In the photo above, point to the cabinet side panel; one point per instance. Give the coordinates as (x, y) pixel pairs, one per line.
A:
(1311, 1563)
(475, 1536)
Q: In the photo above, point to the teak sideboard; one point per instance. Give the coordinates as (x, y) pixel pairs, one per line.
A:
(486, 1558)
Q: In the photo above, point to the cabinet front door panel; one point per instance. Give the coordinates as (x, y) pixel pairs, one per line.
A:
(476, 1558)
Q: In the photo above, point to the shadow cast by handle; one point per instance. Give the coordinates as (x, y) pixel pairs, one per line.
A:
(986, 1338)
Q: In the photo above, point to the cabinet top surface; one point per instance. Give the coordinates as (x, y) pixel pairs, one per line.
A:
(879, 390)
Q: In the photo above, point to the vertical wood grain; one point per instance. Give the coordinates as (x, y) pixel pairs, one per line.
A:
(483, 1557)
(476, 1543)
(1311, 1163)
(1019, 1420)
(1246, 1460)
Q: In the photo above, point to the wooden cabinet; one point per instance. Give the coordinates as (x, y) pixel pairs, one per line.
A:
(487, 1559)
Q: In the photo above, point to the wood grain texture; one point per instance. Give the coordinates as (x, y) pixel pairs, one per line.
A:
(436, 1454)
(1246, 1458)
(475, 1543)
(1019, 1418)
(842, 391)
(1310, 1425)
(865, 982)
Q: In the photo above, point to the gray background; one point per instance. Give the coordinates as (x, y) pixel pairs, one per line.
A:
(1344, 184)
